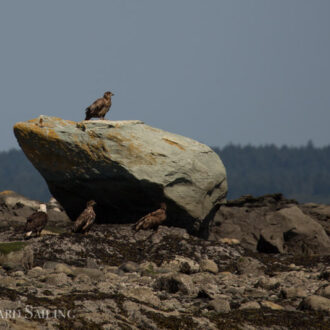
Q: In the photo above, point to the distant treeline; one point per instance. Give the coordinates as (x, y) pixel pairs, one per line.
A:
(302, 173)
(18, 174)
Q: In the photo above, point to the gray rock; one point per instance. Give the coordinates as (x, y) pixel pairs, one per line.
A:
(268, 283)
(256, 293)
(28, 258)
(14, 201)
(8, 281)
(106, 286)
(50, 265)
(220, 305)
(58, 267)
(36, 272)
(174, 283)
(271, 305)
(63, 268)
(315, 303)
(203, 323)
(284, 227)
(182, 265)
(129, 266)
(134, 315)
(324, 291)
(302, 234)
(58, 279)
(144, 295)
(320, 213)
(18, 260)
(96, 159)
(239, 291)
(8, 305)
(19, 273)
(91, 263)
(170, 304)
(208, 265)
(209, 290)
(164, 231)
(82, 279)
(20, 323)
(293, 292)
(94, 274)
(149, 269)
(248, 265)
(250, 305)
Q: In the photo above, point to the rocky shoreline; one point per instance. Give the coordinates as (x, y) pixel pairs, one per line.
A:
(116, 278)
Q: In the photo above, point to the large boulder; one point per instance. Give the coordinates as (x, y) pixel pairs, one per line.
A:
(270, 224)
(126, 166)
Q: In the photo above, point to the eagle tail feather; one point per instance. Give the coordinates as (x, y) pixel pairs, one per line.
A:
(88, 113)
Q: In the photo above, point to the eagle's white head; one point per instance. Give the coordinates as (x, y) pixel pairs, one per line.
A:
(43, 208)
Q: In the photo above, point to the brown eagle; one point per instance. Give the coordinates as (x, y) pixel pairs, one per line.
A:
(153, 219)
(86, 219)
(100, 107)
(36, 222)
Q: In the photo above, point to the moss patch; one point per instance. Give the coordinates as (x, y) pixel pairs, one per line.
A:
(56, 230)
(8, 247)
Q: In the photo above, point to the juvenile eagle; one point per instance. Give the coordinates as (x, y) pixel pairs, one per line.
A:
(36, 222)
(86, 219)
(153, 219)
(100, 107)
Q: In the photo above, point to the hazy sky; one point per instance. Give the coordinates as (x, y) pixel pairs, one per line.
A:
(248, 71)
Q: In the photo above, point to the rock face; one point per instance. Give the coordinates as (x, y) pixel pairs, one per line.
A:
(271, 224)
(15, 208)
(126, 166)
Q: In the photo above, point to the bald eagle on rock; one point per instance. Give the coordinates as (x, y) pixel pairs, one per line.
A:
(36, 222)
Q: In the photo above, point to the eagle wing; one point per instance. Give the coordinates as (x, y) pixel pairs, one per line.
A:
(36, 221)
(88, 224)
(97, 106)
(151, 220)
(84, 221)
